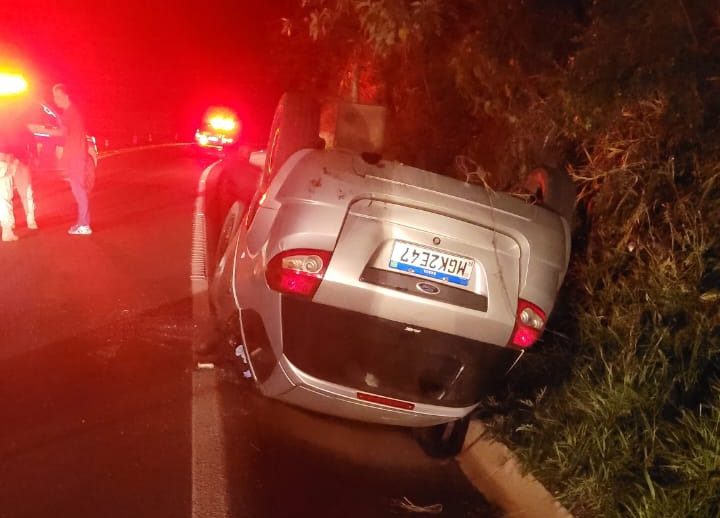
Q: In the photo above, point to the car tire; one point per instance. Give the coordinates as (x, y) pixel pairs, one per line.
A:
(227, 231)
(555, 188)
(216, 332)
(295, 126)
(218, 200)
(443, 440)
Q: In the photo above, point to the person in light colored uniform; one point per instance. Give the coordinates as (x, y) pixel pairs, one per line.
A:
(15, 159)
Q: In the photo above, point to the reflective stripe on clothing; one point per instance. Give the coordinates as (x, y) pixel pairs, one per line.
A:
(17, 177)
(7, 218)
(23, 186)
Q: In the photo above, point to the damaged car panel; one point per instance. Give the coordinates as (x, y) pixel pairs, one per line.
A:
(373, 290)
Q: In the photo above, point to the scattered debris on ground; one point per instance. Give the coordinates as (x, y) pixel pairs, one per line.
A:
(407, 505)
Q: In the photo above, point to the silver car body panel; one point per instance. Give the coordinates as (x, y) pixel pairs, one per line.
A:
(335, 201)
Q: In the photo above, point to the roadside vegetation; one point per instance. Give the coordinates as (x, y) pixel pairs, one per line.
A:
(617, 411)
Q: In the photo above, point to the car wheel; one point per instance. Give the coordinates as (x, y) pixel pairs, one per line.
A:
(555, 188)
(443, 440)
(230, 225)
(217, 205)
(217, 332)
(295, 126)
(90, 168)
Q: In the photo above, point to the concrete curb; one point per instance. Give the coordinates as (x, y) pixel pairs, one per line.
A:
(493, 469)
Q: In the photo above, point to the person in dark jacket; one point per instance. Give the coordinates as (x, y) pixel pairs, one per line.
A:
(75, 156)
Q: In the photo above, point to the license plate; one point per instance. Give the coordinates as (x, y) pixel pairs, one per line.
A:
(431, 263)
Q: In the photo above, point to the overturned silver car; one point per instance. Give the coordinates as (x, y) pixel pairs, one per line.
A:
(372, 290)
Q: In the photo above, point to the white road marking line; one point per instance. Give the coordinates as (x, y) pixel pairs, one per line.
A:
(123, 151)
(210, 497)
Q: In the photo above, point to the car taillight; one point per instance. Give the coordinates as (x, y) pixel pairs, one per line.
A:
(299, 271)
(529, 324)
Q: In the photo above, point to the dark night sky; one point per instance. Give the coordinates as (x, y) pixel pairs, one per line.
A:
(153, 65)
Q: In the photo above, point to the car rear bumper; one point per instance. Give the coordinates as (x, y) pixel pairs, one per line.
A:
(370, 362)
(327, 399)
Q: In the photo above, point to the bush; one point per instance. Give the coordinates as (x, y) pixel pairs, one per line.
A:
(633, 430)
(618, 410)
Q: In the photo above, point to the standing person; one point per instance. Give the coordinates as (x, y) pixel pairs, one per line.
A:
(15, 158)
(23, 142)
(23, 185)
(75, 156)
(7, 220)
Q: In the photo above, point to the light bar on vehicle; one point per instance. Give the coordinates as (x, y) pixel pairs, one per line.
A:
(222, 123)
(12, 84)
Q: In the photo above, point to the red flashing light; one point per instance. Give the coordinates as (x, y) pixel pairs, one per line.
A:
(529, 324)
(222, 120)
(297, 272)
(12, 84)
(382, 400)
(222, 123)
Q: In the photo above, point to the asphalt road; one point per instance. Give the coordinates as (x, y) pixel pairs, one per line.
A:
(104, 412)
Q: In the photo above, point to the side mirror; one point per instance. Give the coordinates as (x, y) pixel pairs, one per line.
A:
(257, 159)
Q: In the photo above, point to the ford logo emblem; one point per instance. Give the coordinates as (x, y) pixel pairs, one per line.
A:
(428, 288)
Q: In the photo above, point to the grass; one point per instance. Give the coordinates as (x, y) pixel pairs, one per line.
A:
(618, 411)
